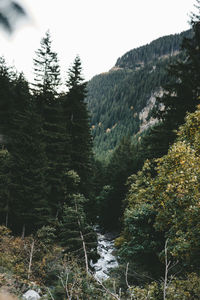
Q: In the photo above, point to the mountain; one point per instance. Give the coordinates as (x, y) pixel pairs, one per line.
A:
(119, 101)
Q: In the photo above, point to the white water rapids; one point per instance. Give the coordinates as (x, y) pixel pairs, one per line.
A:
(107, 259)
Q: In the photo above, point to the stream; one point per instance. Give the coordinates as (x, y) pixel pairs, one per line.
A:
(107, 259)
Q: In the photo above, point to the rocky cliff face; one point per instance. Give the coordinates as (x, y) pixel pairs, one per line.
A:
(145, 120)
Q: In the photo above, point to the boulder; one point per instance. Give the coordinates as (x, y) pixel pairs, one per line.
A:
(31, 295)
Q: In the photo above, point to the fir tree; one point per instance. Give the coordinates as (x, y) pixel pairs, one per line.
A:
(76, 235)
(46, 68)
(47, 79)
(7, 77)
(24, 165)
(77, 125)
(27, 163)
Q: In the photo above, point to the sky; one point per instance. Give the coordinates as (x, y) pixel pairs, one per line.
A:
(99, 31)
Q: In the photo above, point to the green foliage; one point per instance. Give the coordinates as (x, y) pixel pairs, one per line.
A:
(47, 236)
(47, 80)
(181, 95)
(177, 205)
(24, 174)
(139, 238)
(172, 193)
(116, 99)
(75, 232)
(27, 175)
(144, 243)
(14, 253)
(102, 202)
(48, 143)
(151, 291)
(163, 202)
(4, 183)
(179, 288)
(187, 289)
(160, 47)
(74, 282)
(7, 79)
(77, 126)
(46, 172)
(46, 68)
(121, 165)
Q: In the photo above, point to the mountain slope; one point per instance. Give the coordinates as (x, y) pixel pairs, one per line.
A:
(119, 100)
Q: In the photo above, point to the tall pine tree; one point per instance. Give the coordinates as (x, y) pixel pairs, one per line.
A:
(7, 107)
(47, 80)
(27, 162)
(77, 125)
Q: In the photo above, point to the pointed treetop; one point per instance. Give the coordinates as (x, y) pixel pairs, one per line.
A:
(75, 77)
(46, 67)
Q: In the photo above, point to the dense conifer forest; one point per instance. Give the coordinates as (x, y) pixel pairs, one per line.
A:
(70, 162)
(117, 99)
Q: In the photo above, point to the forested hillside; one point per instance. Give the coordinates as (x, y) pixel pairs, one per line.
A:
(160, 48)
(117, 99)
(56, 198)
(157, 207)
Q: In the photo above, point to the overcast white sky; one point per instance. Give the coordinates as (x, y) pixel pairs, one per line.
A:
(99, 31)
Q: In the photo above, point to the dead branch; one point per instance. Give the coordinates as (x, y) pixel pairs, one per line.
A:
(30, 259)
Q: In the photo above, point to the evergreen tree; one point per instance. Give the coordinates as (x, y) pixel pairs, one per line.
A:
(4, 187)
(27, 163)
(24, 164)
(120, 167)
(7, 77)
(76, 235)
(47, 79)
(156, 142)
(166, 206)
(46, 68)
(77, 125)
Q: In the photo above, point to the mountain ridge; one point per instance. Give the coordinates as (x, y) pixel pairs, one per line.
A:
(116, 98)
(156, 48)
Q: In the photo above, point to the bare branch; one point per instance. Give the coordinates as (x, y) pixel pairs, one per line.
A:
(168, 267)
(107, 291)
(50, 294)
(83, 241)
(30, 260)
(126, 276)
